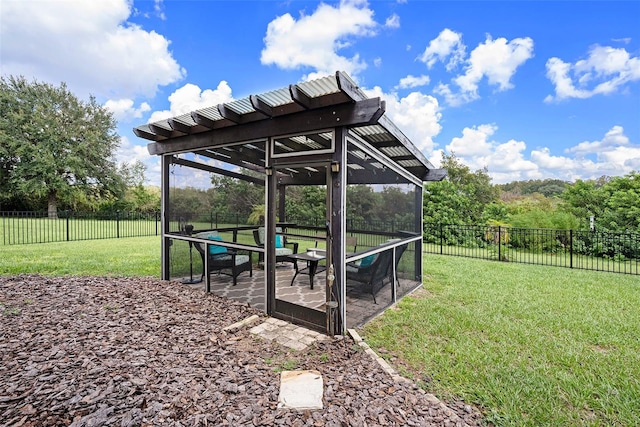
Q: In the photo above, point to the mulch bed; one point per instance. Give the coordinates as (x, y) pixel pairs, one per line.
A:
(102, 351)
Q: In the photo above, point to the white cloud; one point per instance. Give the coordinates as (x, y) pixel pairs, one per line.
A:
(448, 44)
(87, 44)
(417, 115)
(614, 155)
(473, 141)
(605, 71)
(315, 40)
(393, 21)
(505, 161)
(613, 138)
(377, 62)
(497, 60)
(159, 10)
(190, 97)
(413, 81)
(124, 110)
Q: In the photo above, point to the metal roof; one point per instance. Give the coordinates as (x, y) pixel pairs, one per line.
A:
(255, 117)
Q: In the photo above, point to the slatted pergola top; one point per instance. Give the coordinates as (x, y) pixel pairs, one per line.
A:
(298, 109)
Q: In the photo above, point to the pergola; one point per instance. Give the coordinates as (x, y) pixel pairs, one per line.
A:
(325, 132)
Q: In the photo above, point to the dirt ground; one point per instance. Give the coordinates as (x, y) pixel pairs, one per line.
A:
(98, 351)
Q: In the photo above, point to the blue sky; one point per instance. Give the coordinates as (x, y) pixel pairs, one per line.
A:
(531, 90)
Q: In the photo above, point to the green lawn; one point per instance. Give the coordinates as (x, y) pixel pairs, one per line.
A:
(530, 345)
(134, 256)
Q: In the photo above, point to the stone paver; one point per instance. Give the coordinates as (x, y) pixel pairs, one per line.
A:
(285, 333)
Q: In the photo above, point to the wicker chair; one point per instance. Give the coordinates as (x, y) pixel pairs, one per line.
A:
(282, 253)
(224, 260)
(373, 273)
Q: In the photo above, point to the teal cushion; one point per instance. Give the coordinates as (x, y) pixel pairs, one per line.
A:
(279, 241)
(215, 249)
(283, 251)
(366, 261)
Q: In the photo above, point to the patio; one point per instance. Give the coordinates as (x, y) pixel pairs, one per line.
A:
(251, 290)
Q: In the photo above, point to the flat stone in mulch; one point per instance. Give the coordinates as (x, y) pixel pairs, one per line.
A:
(103, 351)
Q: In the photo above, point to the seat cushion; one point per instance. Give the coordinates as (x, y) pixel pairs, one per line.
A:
(206, 234)
(351, 269)
(283, 251)
(368, 260)
(240, 259)
(261, 233)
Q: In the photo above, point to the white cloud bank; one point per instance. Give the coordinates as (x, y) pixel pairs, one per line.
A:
(605, 71)
(87, 44)
(315, 40)
(613, 155)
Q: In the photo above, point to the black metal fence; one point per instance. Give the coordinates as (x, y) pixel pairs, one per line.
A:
(370, 233)
(587, 250)
(36, 227)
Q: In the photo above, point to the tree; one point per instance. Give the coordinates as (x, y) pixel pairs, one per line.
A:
(54, 145)
(462, 197)
(622, 206)
(584, 199)
(233, 196)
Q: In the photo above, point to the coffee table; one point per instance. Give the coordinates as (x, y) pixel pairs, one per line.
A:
(312, 258)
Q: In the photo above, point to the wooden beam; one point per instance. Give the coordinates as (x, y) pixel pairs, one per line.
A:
(300, 98)
(358, 113)
(348, 87)
(258, 104)
(179, 126)
(146, 135)
(385, 122)
(203, 120)
(229, 114)
(435, 175)
(238, 159)
(158, 130)
(213, 169)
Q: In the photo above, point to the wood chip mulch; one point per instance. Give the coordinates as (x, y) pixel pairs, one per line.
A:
(104, 351)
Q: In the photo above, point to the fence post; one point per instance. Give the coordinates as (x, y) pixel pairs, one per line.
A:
(499, 244)
(157, 219)
(571, 248)
(441, 238)
(67, 224)
(118, 224)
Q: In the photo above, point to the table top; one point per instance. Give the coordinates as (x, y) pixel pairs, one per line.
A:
(310, 255)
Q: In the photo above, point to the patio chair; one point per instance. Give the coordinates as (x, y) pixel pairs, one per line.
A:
(371, 271)
(350, 241)
(399, 252)
(223, 260)
(282, 251)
